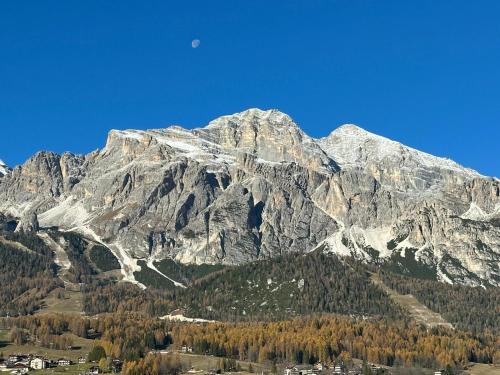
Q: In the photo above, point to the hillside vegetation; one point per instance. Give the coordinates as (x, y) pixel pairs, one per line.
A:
(27, 273)
(287, 286)
(283, 287)
(473, 309)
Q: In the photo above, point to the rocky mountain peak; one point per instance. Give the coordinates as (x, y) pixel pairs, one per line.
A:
(351, 130)
(256, 117)
(351, 146)
(268, 136)
(248, 129)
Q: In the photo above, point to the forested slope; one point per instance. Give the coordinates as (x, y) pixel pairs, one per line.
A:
(473, 309)
(289, 285)
(27, 273)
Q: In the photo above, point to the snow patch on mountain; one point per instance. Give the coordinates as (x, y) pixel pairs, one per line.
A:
(405, 244)
(441, 276)
(182, 318)
(128, 264)
(4, 169)
(151, 265)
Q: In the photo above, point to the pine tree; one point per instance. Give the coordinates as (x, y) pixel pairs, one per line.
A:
(96, 354)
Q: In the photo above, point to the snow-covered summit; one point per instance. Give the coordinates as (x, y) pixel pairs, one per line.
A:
(352, 146)
(273, 136)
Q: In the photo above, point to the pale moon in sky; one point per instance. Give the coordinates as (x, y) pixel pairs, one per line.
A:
(195, 43)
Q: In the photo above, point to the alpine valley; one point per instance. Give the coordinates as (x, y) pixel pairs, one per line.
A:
(249, 240)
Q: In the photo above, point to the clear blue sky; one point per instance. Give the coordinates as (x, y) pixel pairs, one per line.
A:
(426, 73)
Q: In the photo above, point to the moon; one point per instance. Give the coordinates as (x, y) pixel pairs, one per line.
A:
(195, 43)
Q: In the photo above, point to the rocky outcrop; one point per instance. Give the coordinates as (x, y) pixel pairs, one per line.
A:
(28, 223)
(254, 185)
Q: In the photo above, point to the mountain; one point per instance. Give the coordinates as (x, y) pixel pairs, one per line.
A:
(253, 186)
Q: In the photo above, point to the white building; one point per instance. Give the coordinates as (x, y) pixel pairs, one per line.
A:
(38, 364)
(299, 370)
(63, 362)
(319, 367)
(20, 368)
(339, 369)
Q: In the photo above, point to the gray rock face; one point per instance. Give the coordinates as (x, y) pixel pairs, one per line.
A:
(28, 223)
(254, 185)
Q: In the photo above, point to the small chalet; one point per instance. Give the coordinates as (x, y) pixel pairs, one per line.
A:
(339, 369)
(318, 367)
(63, 362)
(13, 358)
(17, 358)
(356, 370)
(20, 368)
(38, 363)
(299, 370)
(82, 360)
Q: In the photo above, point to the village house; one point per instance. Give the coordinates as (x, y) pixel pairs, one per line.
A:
(299, 370)
(63, 362)
(92, 371)
(20, 368)
(18, 358)
(339, 369)
(82, 360)
(318, 367)
(12, 358)
(38, 363)
(187, 349)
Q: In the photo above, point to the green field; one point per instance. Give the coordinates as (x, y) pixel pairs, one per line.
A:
(60, 300)
(69, 370)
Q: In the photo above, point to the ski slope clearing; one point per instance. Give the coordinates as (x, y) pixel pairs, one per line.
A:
(419, 312)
